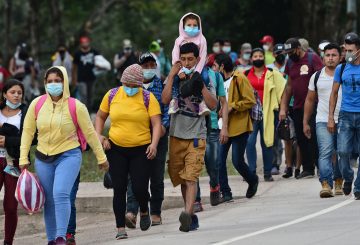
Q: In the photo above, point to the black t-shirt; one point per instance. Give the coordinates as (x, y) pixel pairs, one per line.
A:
(129, 61)
(85, 64)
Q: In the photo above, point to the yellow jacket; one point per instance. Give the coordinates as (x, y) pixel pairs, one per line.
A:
(273, 88)
(241, 100)
(56, 129)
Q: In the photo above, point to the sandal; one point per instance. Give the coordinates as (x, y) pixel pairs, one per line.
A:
(130, 220)
(155, 223)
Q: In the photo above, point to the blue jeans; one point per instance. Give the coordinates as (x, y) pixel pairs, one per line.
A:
(72, 222)
(327, 148)
(267, 152)
(212, 160)
(238, 144)
(348, 136)
(58, 178)
(156, 182)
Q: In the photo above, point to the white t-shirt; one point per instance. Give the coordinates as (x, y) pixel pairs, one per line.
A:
(14, 120)
(226, 87)
(324, 87)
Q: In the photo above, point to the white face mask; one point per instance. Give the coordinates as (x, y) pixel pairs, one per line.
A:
(266, 47)
(216, 50)
(226, 49)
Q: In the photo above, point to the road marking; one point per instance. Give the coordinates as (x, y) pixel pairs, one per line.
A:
(296, 221)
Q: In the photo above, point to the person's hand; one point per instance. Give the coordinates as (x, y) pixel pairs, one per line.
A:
(2, 141)
(23, 167)
(224, 136)
(151, 151)
(104, 166)
(175, 69)
(106, 144)
(331, 126)
(230, 109)
(307, 130)
(282, 115)
(182, 76)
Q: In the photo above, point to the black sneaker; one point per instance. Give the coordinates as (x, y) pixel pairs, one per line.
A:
(185, 221)
(288, 173)
(194, 223)
(357, 195)
(252, 189)
(347, 188)
(145, 222)
(297, 173)
(215, 198)
(226, 197)
(306, 175)
(268, 178)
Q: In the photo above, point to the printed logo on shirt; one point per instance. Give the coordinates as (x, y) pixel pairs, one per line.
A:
(87, 59)
(304, 70)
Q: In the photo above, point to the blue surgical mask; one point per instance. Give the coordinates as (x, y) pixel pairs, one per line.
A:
(188, 71)
(130, 91)
(54, 89)
(13, 106)
(149, 73)
(191, 31)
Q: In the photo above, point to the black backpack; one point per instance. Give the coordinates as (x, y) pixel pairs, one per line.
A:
(317, 75)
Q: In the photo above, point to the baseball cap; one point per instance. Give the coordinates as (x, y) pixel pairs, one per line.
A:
(246, 46)
(351, 38)
(267, 39)
(127, 43)
(279, 48)
(84, 39)
(291, 44)
(154, 46)
(146, 57)
(322, 44)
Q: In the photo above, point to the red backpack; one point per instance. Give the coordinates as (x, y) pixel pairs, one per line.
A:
(72, 109)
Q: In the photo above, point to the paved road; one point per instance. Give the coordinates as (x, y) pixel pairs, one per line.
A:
(284, 212)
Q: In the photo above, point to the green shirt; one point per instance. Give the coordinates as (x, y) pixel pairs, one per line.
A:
(218, 83)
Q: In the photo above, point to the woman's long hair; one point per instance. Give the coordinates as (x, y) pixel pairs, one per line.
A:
(8, 85)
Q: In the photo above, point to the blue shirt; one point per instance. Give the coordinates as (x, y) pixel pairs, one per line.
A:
(350, 84)
(218, 83)
(156, 88)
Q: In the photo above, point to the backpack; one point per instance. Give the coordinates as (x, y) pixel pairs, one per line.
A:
(72, 109)
(146, 96)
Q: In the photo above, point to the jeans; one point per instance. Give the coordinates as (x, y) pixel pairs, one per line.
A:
(267, 152)
(327, 148)
(156, 182)
(348, 136)
(212, 163)
(72, 222)
(58, 178)
(308, 147)
(238, 144)
(86, 93)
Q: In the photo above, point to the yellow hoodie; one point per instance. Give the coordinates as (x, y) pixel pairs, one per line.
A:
(56, 129)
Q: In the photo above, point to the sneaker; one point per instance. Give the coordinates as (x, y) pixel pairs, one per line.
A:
(49, 243)
(297, 173)
(252, 189)
(338, 187)
(60, 241)
(70, 239)
(288, 173)
(326, 190)
(173, 106)
(268, 178)
(194, 223)
(357, 195)
(185, 221)
(215, 198)
(275, 171)
(198, 207)
(203, 109)
(13, 171)
(306, 175)
(226, 198)
(145, 222)
(130, 220)
(347, 188)
(121, 235)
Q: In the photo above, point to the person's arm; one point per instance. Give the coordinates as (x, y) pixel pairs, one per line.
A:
(151, 151)
(308, 111)
(209, 98)
(165, 118)
(74, 74)
(332, 105)
(167, 92)
(284, 105)
(12, 66)
(224, 134)
(118, 62)
(247, 99)
(27, 135)
(87, 128)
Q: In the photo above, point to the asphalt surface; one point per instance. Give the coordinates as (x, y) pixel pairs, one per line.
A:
(283, 212)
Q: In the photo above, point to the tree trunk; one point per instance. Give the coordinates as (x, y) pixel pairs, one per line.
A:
(7, 31)
(56, 20)
(34, 27)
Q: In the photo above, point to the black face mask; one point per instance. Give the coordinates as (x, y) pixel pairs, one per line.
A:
(294, 57)
(258, 63)
(280, 59)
